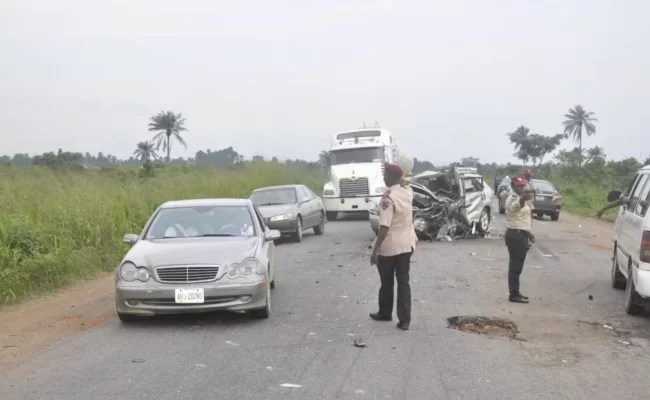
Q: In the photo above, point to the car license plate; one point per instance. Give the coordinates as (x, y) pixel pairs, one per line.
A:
(194, 296)
(541, 198)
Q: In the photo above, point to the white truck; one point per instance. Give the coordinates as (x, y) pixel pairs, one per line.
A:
(356, 169)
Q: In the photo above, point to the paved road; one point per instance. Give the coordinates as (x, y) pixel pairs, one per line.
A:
(326, 288)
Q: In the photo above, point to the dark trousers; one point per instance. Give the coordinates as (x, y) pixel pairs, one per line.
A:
(390, 269)
(517, 242)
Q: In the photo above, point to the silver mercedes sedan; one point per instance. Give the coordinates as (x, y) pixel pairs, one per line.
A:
(198, 256)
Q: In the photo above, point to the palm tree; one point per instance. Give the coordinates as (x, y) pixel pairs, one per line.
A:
(168, 124)
(576, 119)
(520, 138)
(596, 155)
(146, 151)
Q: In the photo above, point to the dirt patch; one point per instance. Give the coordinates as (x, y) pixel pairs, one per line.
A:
(484, 326)
(27, 328)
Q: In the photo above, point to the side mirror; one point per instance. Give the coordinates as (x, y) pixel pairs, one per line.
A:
(613, 196)
(130, 238)
(272, 235)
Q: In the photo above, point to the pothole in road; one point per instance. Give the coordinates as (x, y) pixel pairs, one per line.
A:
(484, 326)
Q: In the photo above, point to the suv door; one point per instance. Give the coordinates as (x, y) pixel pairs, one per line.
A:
(474, 197)
(632, 224)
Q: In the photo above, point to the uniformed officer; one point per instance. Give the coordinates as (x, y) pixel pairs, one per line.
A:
(394, 246)
(518, 235)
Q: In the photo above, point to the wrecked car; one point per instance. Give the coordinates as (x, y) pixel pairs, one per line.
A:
(448, 204)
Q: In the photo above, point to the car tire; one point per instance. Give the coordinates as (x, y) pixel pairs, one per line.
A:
(297, 235)
(483, 221)
(332, 215)
(555, 217)
(540, 215)
(263, 312)
(632, 298)
(618, 279)
(320, 228)
(128, 318)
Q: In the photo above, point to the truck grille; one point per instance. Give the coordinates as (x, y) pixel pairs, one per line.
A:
(356, 187)
(198, 273)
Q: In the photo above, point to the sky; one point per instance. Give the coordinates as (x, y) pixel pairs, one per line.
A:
(448, 78)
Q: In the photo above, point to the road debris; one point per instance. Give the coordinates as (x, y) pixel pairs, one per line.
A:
(138, 360)
(484, 326)
(359, 343)
(290, 385)
(591, 297)
(608, 327)
(201, 366)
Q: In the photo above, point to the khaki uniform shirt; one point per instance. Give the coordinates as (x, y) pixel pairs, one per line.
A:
(530, 203)
(518, 217)
(396, 213)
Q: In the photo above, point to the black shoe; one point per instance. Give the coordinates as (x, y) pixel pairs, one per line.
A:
(379, 317)
(403, 326)
(518, 298)
(523, 297)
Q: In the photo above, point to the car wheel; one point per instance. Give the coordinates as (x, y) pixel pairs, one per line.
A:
(320, 228)
(540, 215)
(618, 279)
(632, 306)
(266, 311)
(555, 217)
(297, 236)
(484, 221)
(126, 318)
(332, 215)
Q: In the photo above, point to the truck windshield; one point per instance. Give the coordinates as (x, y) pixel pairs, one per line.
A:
(364, 155)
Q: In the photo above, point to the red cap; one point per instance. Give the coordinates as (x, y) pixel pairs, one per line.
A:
(528, 172)
(394, 168)
(519, 181)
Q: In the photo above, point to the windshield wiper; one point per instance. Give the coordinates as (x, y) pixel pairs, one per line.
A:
(217, 235)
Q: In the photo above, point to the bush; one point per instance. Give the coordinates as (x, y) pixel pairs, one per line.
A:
(57, 226)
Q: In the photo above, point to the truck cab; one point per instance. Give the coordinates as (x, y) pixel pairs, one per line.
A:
(356, 169)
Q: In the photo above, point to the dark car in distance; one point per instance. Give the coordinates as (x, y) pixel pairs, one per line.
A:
(547, 200)
(290, 209)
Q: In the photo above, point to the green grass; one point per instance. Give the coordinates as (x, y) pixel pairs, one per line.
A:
(57, 228)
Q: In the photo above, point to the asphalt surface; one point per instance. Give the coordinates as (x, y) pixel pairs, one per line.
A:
(326, 288)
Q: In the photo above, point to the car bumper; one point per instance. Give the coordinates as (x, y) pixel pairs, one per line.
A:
(348, 204)
(642, 281)
(285, 227)
(548, 207)
(149, 299)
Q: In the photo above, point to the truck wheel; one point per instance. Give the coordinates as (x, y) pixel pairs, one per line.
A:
(618, 279)
(332, 215)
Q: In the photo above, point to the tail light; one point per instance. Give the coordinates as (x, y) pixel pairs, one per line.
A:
(557, 197)
(644, 254)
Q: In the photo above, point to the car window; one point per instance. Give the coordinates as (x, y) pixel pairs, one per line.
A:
(634, 180)
(472, 185)
(544, 186)
(183, 222)
(644, 201)
(302, 193)
(272, 197)
(640, 193)
(310, 194)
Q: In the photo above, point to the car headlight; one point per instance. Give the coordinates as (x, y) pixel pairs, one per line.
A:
(381, 189)
(328, 192)
(129, 272)
(245, 269)
(283, 217)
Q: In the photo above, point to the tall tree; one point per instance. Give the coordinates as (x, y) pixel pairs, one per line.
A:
(520, 138)
(145, 152)
(577, 120)
(168, 125)
(538, 146)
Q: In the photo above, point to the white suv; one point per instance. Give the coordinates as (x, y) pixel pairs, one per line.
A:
(631, 260)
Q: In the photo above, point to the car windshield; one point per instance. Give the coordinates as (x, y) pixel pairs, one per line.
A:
(544, 186)
(271, 197)
(350, 156)
(217, 221)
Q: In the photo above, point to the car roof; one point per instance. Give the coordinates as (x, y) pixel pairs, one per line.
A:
(278, 187)
(206, 203)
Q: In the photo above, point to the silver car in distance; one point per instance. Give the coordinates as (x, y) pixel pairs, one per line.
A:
(198, 256)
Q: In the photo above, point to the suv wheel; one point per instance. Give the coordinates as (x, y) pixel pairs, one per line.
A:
(618, 279)
(484, 221)
(632, 300)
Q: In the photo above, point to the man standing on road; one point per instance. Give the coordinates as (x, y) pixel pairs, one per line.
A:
(518, 235)
(393, 248)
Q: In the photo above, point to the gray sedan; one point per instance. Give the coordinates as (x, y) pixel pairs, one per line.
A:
(290, 209)
(198, 256)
